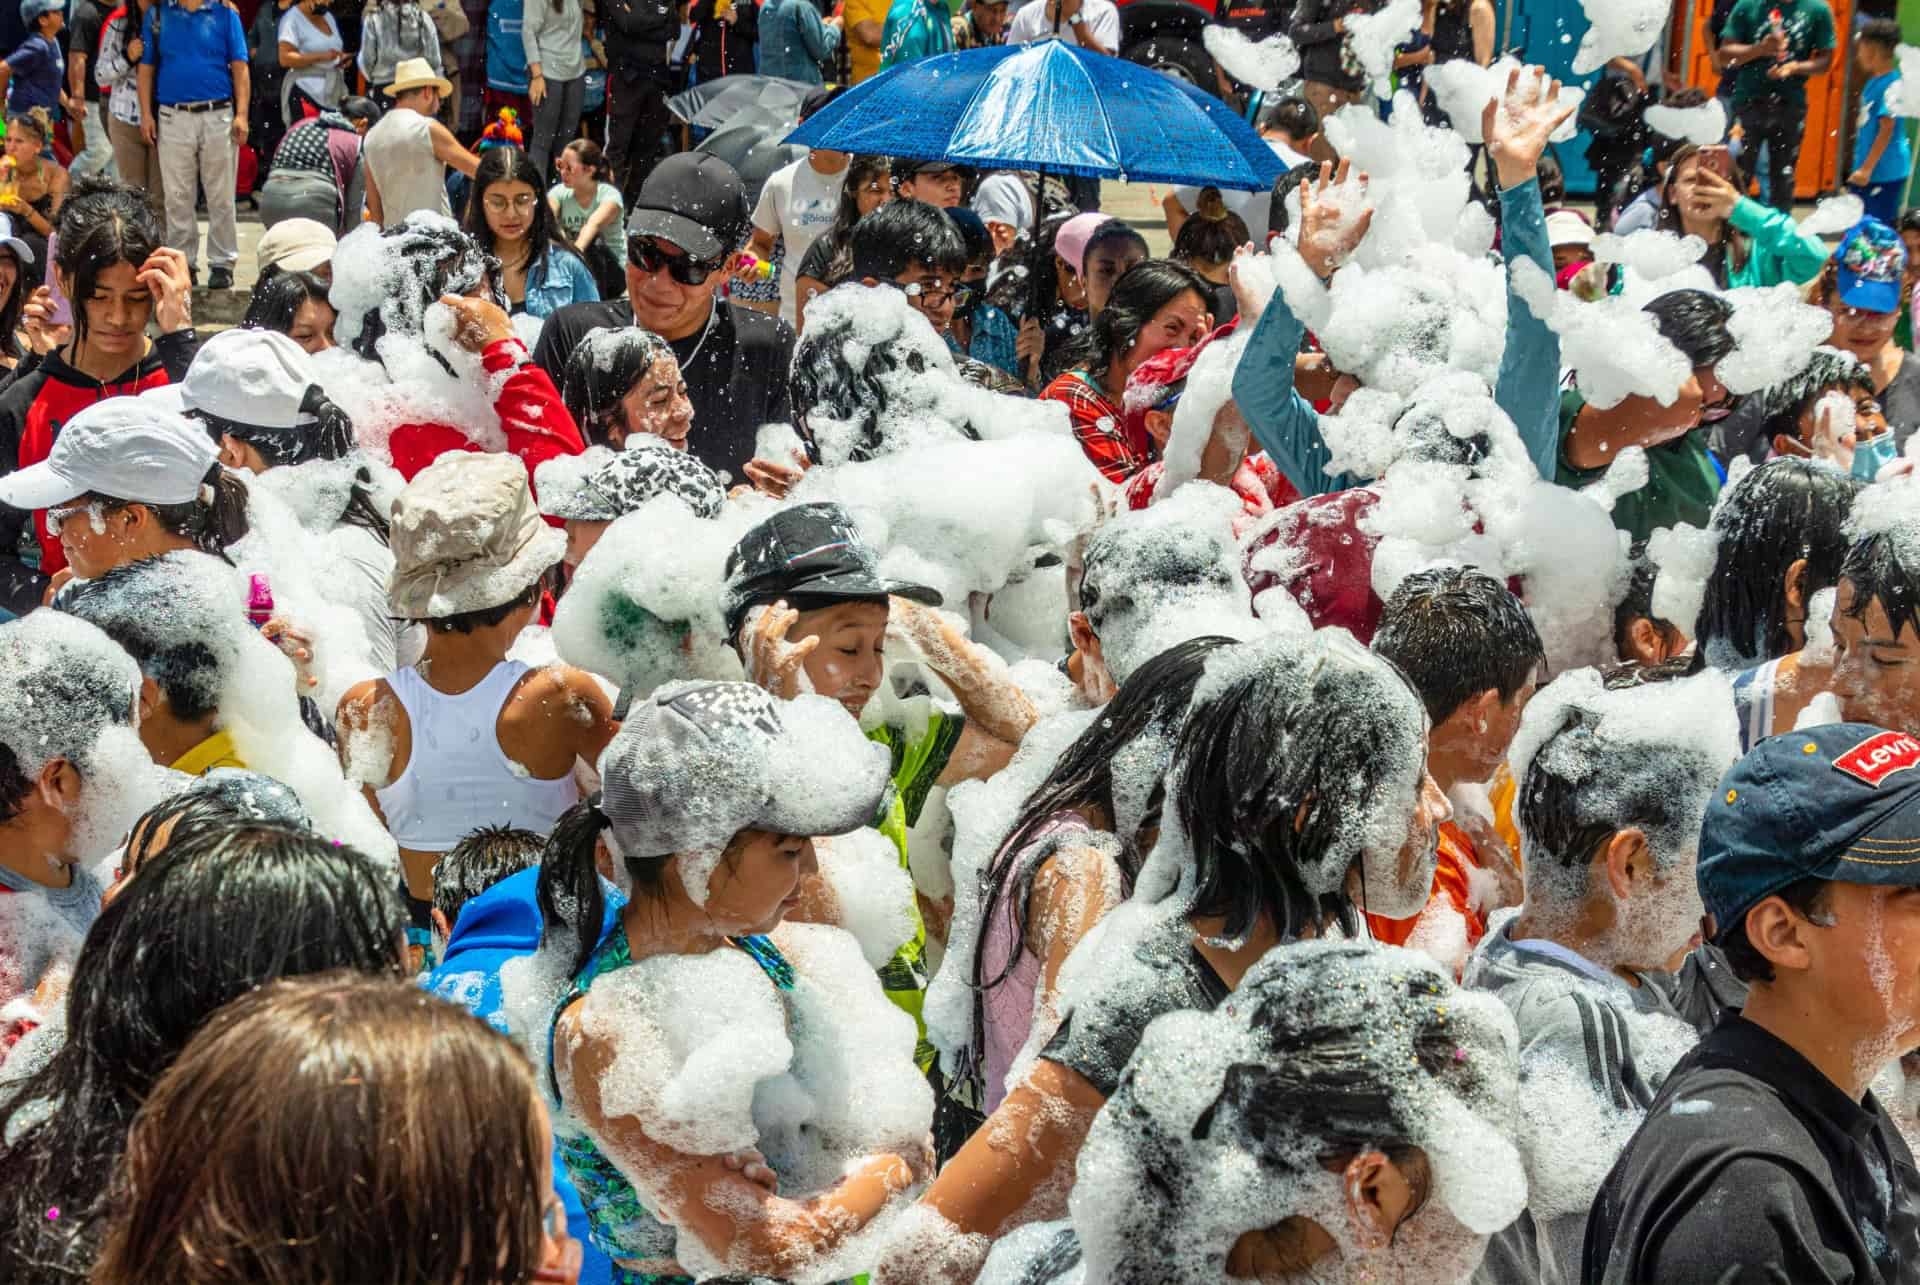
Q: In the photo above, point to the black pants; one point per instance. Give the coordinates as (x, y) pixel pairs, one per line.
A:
(1780, 126)
(637, 121)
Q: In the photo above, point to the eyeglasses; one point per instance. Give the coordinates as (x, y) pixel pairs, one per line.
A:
(57, 518)
(932, 294)
(520, 204)
(644, 253)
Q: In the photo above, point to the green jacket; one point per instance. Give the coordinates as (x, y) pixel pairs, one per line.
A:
(1778, 250)
(915, 29)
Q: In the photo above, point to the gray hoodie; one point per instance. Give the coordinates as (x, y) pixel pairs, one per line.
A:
(552, 39)
(1577, 1018)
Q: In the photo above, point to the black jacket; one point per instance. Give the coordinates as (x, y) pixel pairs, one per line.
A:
(637, 34)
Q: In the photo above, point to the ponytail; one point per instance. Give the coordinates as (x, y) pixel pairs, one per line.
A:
(332, 435)
(362, 512)
(569, 885)
(215, 520)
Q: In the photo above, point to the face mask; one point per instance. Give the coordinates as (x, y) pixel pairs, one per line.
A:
(1869, 457)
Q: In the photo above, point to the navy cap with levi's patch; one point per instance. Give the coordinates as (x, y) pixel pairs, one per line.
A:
(1839, 803)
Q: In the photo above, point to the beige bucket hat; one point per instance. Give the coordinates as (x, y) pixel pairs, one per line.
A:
(466, 536)
(417, 73)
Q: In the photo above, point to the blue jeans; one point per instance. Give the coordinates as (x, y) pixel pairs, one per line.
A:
(1883, 199)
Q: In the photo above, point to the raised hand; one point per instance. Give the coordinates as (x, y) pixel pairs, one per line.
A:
(1334, 217)
(1518, 123)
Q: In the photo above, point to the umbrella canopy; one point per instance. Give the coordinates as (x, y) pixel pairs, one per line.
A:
(713, 103)
(1049, 106)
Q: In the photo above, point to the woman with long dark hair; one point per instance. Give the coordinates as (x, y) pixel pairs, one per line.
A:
(591, 213)
(1157, 305)
(38, 186)
(120, 277)
(508, 215)
(1299, 799)
(1071, 856)
(204, 923)
(828, 261)
(416, 1131)
(294, 304)
(1748, 243)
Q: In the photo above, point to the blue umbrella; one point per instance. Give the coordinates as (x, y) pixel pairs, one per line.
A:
(1052, 107)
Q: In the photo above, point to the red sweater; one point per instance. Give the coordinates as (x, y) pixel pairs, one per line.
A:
(535, 420)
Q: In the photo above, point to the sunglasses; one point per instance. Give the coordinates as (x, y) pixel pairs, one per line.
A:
(644, 253)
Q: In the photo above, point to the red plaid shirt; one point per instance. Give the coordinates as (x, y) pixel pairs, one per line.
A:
(1100, 427)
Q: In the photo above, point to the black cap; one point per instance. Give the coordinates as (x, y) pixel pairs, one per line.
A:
(695, 201)
(924, 167)
(810, 551)
(819, 97)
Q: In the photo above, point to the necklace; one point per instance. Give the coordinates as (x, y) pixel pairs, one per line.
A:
(712, 314)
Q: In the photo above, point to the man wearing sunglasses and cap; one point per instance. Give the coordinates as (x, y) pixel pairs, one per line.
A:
(1765, 1156)
(690, 219)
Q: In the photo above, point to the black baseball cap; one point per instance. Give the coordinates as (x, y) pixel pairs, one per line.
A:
(808, 551)
(1839, 803)
(925, 167)
(695, 201)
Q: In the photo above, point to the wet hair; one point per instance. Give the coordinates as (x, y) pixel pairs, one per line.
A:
(1783, 404)
(846, 215)
(1278, 220)
(212, 526)
(420, 260)
(511, 165)
(1147, 287)
(330, 1129)
(588, 153)
(101, 224)
(465, 622)
(1880, 567)
(208, 920)
(1695, 322)
(1808, 897)
(276, 301)
(1274, 763)
(901, 233)
(1638, 602)
(1456, 632)
(1148, 707)
(1781, 512)
(1112, 230)
(1211, 233)
(1734, 247)
(825, 385)
(87, 694)
(358, 107)
(1881, 32)
(1291, 115)
(193, 815)
(602, 369)
(328, 435)
(181, 652)
(482, 858)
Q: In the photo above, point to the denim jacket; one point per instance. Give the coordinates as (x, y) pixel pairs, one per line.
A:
(1288, 429)
(558, 280)
(793, 40)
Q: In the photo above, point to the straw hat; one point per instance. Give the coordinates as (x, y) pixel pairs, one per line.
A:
(417, 73)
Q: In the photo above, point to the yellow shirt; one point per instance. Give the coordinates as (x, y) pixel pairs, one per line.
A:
(216, 751)
(863, 62)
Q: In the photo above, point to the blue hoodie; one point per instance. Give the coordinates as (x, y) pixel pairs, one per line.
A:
(501, 924)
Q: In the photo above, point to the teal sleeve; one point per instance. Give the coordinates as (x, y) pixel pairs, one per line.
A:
(1529, 386)
(1790, 255)
(1283, 422)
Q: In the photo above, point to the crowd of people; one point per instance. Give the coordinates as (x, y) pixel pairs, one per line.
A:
(876, 729)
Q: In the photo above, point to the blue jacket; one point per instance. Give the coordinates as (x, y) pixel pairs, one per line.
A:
(558, 280)
(506, 54)
(501, 924)
(793, 40)
(1288, 429)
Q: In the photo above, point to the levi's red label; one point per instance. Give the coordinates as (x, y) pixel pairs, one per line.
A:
(1879, 757)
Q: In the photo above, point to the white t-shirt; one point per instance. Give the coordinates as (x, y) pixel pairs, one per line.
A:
(297, 30)
(1252, 207)
(798, 202)
(1102, 19)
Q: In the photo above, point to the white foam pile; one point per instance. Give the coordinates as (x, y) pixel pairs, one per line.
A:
(1265, 64)
(1613, 344)
(1618, 29)
(1196, 417)
(1834, 215)
(1902, 100)
(1774, 332)
(872, 894)
(1685, 555)
(1703, 126)
(1374, 38)
(1464, 88)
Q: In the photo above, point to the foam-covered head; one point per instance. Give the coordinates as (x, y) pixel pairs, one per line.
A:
(603, 368)
(62, 682)
(384, 281)
(178, 615)
(696, 763)
(1329, 1050)
(812, 552)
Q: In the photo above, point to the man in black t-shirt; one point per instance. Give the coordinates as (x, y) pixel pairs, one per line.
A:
(689, 219)
(83, 47)
(1764, 1157)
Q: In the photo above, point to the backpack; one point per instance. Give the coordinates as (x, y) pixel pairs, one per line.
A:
(448, 17)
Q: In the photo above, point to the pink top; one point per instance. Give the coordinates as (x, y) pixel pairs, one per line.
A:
(1008, 1007)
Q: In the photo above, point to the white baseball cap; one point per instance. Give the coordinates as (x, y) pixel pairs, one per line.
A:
(126, 448)
(254, 377)
(296, 245)
(1003, 198)
(1564, 227)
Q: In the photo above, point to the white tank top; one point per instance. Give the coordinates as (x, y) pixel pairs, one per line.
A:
(458, 778)
(399, 153)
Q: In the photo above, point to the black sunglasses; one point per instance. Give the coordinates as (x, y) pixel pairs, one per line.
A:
(644, 253)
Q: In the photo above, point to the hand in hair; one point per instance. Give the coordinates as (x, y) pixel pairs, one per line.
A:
(36, 318)
(167, 275)
(477, 323)
(1517, 137)
(772, 661)
(1332, 222)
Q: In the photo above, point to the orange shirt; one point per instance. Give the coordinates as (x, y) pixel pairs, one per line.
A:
(1456, 856)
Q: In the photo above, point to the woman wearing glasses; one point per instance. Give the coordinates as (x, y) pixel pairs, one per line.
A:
(539, 271)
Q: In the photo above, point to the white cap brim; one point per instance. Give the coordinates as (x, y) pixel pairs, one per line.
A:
(20, 249)
(39, 486)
